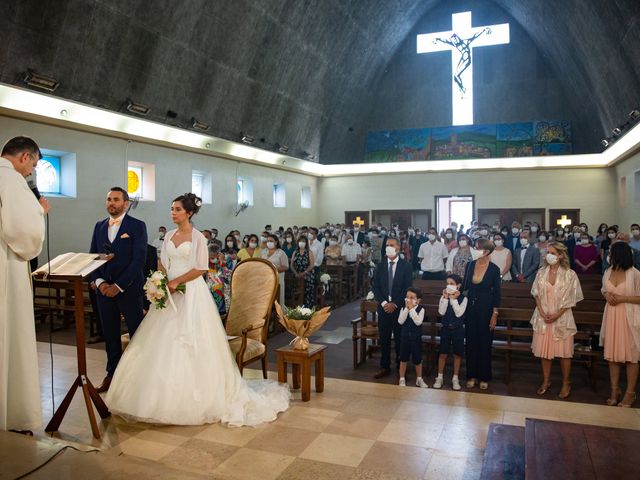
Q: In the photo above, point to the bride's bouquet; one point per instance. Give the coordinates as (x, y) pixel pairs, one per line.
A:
(157, 291)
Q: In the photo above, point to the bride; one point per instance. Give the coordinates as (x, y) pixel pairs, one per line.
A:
(178, 368)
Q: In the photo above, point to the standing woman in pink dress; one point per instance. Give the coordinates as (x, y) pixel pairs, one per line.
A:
(620, 332)
(556, 290)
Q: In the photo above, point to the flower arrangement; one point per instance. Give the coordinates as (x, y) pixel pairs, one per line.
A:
(325, 278)
(301, 322)
(157, 291)
(370, 296)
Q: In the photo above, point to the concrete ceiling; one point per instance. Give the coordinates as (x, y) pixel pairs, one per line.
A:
(297, 72)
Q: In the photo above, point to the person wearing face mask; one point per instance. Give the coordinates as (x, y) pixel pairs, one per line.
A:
(483, 231)
(160, 239)
(586, 257)
(482, 287)
(410, 319)
(602, 235)
(276, 255)
(288, 244)
(624, 237)
(526, 260)
(556, 291)
(333, 253)
(214, 238)
(433, 255)
(218, 278)
(230, 250)
(391, 280)
(383, 238)
(460, 257)
(620, 331)
(571, 241)
(635, 236)
(416, 242)
(534, 230)
(451, 309)
(504, 230)
(605, 244)
(317, 248)
(302, 263)
(513, 239)
(376, 246)
(252, 250)
(541, 245)
(559, 235)
(450, 239)
(501, 257)
(351, 252)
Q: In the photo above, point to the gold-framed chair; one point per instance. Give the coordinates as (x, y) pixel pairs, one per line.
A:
(254, 287)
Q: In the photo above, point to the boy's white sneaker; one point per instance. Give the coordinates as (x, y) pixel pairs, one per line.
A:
(420, 383)
(456, 383)
(402, 382)
(438, 382)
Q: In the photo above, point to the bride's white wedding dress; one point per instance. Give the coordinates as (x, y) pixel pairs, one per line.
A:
(178, 368)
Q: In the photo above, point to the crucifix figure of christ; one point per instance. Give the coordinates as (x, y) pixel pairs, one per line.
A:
(460, 41)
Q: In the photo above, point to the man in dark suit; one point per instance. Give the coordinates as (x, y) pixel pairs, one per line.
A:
(526, 261)
(513, 239)
(358, 236)
(119, 283)
(391, 280)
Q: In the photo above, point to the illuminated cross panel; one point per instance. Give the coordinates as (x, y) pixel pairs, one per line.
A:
(563, 221)
(358, 221)
(460, 41)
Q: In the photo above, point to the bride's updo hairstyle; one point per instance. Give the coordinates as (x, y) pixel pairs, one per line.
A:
(190, 202)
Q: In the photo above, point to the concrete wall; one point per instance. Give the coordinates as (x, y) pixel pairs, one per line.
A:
(593, 190)
(629, 191)
(101, 164)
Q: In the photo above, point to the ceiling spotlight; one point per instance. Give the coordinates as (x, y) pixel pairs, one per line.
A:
(39, 81)
(309, 156)
(199, 125)
(64, 113)
(616, 131)
(248, 139)
(283, 149)
(634, 114)
(138, 108)
(605, 143)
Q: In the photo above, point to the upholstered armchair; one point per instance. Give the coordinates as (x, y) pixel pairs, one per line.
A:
(254, 286)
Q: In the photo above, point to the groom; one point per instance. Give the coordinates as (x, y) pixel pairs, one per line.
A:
(119, 283)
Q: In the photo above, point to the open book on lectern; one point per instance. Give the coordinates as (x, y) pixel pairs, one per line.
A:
(72, 264)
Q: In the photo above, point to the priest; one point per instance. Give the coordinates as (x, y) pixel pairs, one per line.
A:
(21, 236)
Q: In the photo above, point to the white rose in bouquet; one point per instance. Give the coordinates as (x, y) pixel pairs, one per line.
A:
(370, 296)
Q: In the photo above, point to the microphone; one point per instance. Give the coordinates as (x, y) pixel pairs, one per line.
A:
(33, 186)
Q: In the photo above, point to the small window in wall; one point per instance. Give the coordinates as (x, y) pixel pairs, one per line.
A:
(636, 186)
(622, 191)
(279, 195)
(244, 189)
(197, 180)
(48, 174)
(141, 182)
(305, 197)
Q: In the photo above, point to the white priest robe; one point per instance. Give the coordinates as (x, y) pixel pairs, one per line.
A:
(21, 238)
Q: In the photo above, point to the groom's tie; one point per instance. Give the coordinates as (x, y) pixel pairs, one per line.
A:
(390, 278)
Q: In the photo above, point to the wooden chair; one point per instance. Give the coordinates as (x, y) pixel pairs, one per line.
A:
(365, 328)
(254, 286)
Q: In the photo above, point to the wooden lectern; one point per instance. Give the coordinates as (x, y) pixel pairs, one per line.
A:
(82, 382)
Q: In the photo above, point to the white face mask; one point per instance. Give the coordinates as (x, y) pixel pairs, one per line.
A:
(432, 237)
(476, 254)
(411, 301)
(577, 235)
(584, 241)
(161, 235)
(542, 238)
(263, 239)
(524, 242)
(310, 236)
(611, 235)
(551, 259)
(289, 239)
(463, 243)
(302, 244)
(515, 230)
(390, 252)
(635, 232)
(449, 235)
(452, 289)
(253, 244)
(271, 245)
(498, 243)
(350, 241)
(534, 229)
(230, 244)
(333, 243)
(583, 229)
(483, 232)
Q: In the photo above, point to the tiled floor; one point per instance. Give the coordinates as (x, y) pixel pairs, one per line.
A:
(354, 430)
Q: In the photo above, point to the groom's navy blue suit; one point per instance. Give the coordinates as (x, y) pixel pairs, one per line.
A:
(129, 248)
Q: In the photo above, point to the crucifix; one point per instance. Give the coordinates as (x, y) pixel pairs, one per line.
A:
(563, 221)
(358, 221)
(460, 41)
